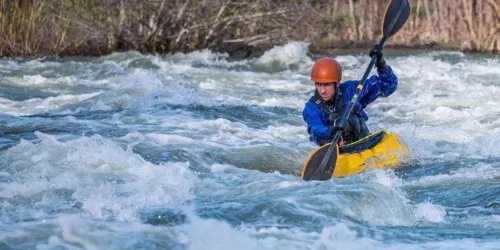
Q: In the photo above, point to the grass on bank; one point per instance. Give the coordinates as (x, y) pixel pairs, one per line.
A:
(97, 27)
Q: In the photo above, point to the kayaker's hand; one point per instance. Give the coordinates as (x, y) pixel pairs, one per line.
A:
(338, 125)
(380, 62)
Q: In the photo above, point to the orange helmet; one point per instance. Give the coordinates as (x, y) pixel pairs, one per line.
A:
(326, 70)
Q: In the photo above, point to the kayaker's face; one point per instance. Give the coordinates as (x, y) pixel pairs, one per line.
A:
(325, 90)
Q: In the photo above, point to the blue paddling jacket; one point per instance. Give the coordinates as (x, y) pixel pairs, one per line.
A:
(319, 115)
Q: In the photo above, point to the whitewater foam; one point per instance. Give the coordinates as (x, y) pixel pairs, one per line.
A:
(104, 178)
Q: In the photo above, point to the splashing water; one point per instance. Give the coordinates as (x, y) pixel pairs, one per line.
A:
(195, 151)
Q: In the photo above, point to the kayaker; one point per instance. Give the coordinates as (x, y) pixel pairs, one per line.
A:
(324, 109)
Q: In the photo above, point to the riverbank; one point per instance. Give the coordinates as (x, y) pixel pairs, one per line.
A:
(241, 29)
(241, 50)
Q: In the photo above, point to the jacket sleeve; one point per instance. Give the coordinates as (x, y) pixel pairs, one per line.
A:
(317, 130)
(383, 84)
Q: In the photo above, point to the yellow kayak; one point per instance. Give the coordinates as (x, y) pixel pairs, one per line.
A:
(378, 150)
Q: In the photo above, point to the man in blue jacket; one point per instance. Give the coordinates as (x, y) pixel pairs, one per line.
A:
(323, 111)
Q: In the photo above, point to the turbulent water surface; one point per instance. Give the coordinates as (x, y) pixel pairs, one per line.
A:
(197, 151)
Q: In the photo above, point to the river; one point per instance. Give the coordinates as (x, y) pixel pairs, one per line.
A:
(198, 151)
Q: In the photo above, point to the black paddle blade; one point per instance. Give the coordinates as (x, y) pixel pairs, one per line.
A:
(313, 162)
(396, 14)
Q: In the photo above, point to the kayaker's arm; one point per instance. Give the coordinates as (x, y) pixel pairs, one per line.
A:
(383, 84)
(319, 133)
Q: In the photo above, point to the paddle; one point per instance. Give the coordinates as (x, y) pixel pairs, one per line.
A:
(396, 14)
